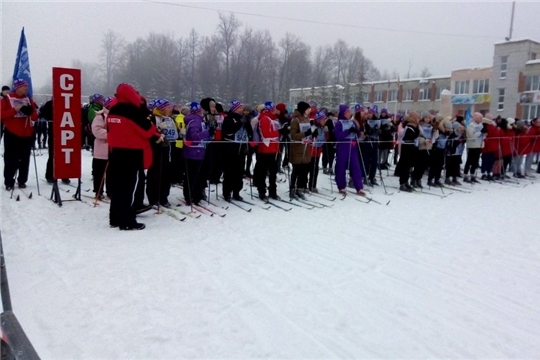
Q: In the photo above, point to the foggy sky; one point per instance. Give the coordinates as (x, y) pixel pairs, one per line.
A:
(58, 32)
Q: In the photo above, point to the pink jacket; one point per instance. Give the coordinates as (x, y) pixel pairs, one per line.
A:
(99, 129)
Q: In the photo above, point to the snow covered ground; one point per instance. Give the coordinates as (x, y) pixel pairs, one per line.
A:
(423, 277)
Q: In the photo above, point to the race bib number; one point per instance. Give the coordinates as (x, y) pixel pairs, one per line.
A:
(303, 128)
(241, 136)
(19, 102)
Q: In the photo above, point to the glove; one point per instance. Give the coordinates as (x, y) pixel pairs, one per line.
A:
(27, 110)
(353, 129)
(315, 133)
(163, 125)
(244, 120)
(484, 129)
(308, 132)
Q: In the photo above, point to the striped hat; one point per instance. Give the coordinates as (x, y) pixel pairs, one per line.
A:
(161, 104)
(196, 108)
(19, 83)
(108, 101)
(235, 105)
(96, 97)
(269, 105)
(358, 108)
(320, 116)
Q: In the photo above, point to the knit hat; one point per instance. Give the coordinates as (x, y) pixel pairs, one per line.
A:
(302, 107)
(96, 97)
(196, 108)
(358, 108)
(511, 122)
(110, 100)
(205, 104)
(375, 109)
(248, 108)
(235, 105)
(320, 116)
(312, 103)
(260, 108)
(19, 83)
(161, 104)
(342, 110)
(5, 88)
(269, 105)
(384, 110)
(520, 124)
(281, 107)
(425, 114)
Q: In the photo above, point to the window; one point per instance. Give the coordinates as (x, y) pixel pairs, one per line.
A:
(500, 100)
(438, 92)
(504, 66)
(408, 95)
(530, 112)
(481, 86)
(461, 87)
(392, 95)
(424, 94)
(532, 83)
(378, 96)
(532, 56)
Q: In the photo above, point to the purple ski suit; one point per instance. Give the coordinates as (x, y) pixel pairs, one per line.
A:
(347, 155)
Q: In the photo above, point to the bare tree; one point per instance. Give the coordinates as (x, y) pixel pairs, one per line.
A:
(425, 73)
(193, 43)
(112, 47)
(228, 31)
(322, 65)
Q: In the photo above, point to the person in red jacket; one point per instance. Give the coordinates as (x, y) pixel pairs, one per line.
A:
(533, 135)
(267, 153)
(504, 153)
(129, 134)
(18, 112)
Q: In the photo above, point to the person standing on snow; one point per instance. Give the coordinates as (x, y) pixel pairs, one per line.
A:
(425, 144)
(198, 133)
(101, 150)
(18, 112)
(475, 141)
(236, 132)
(347, 132)
(300, 149)
(158, 180)
(319, 139)
(267, 151)
(408, 152)
(129, 134)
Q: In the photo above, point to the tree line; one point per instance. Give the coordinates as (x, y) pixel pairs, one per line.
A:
(237, 62)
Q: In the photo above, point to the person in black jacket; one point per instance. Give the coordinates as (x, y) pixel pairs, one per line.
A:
(329, 147)
(409, 149)
(237, 132)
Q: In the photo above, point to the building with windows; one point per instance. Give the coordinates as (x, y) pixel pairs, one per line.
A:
(513, 63)
(509, 88)
(529, 91)
(470, 90)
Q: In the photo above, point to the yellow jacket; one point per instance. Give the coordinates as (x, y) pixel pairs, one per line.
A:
(180, 126)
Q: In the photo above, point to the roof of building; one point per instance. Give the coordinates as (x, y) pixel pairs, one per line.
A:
(474, 69)
(516, 41)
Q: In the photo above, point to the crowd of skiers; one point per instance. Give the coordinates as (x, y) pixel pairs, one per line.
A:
(200, 143)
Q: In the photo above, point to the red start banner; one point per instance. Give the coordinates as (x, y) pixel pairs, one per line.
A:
(67, 123)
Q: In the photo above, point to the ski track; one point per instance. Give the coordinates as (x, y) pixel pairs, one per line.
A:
(423, 277)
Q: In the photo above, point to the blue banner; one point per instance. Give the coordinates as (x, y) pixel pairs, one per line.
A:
(22, 63)
(468, 116)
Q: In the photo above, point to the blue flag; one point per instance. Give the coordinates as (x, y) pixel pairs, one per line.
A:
(22, 64)
(468, 115)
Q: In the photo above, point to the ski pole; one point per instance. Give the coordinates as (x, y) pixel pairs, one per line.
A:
(35, 167)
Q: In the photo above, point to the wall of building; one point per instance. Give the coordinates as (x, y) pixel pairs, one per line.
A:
(518, 53)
